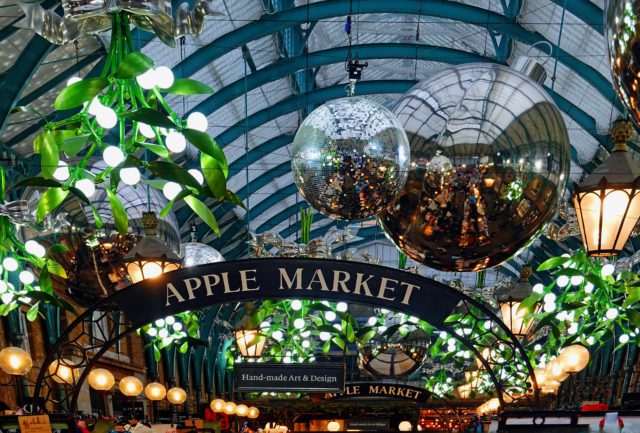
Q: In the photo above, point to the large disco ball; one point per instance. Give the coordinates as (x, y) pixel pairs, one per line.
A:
(195, 253)
(489, 162)
(349, 158)
(623, 43)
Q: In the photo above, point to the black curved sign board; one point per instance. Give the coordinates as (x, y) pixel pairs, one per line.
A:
(280, 278)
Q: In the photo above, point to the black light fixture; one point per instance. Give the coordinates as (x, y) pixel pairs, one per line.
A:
(151, 257)
(250, 342)
(607, 202)
(510, 300)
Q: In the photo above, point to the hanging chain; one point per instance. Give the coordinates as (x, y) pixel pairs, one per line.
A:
(353, 66)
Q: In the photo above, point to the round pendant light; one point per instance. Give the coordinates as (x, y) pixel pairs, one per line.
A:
(241, 410)
(101, 379)
(15, 361)
(176, 395)
(253, 412)
(155, 391)
(574, 358)
(217, 405)
(64, 371)
(229, 408)
(130, 386)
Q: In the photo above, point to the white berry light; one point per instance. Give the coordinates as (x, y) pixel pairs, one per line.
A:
(87, 187)
(197, 175)
(10, 264)
(62, 172)
(107, 118)
(146, 130)
(175, 142)
(163, 77)
(95, 106)
(33, 247)
(113, 156)
(130, 175)
(197, 121)
(171, 190)
(73, 80)
(147, 80)
(26, 277)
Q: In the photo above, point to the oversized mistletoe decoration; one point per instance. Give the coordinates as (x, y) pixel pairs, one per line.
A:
(123, 116)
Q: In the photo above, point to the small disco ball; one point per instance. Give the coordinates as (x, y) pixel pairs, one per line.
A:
(350, 158)
(623, 43)
(489, 163)
(194, 254)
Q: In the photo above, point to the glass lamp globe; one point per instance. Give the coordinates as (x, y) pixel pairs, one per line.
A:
(253, 412)
(64, 371)
(101, 379)
(229, 408)
(574, 358)
(242, 410)
(217, 405)
(405, 426)
(493, 404)
(155, 391)
(350, 158)
(15, 361)
(130, 386)
(554, 371)
(333, 426)
(176, 395)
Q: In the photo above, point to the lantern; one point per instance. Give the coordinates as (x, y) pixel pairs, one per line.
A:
(63, 371)
(607, 202)
(15, 361)
(101, 379)
(130, 386)
(253, 412)
(155, 391)
(333, 426)
(176, 395)
(250, 343)
(217, 405)
(151, 257)
(493, 405)
(229, 408)
(574, 358)
(514, 316)
(405, 426)
(241, 410)
(464, 391)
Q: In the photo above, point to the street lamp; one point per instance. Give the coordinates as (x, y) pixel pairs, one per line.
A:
(130, 386)
(217, 405)
(101, 379)
(151, 257)
(574, 358)
(63, 371)
(250, 343)
(229, 408)
(607, 201)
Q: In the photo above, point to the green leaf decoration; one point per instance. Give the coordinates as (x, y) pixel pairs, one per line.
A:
(32, 313)
(37, 181)
(230, 196)
(173, 172)
(150, 117)
(55, 268)
(187, 86)
(57, 249)
(158, 149)
(133, 65)
(213, 174)
(78, 93)
(552, 263)
(339, 342)
(156, 353)
(49, 155)
(206, 144)
(73, 145)
(119, 214)
(44, 279)
(80, 195)
(184, 348)
(49, 298)
(633, 296)
(182, 194)
(203, 211)
(50, 200)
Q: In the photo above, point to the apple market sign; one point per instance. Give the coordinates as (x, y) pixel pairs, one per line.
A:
(379, 390)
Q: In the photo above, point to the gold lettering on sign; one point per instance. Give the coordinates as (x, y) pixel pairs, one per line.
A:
(244, 278)
(225, 282)
(284, 278)
(208, 284)
(360, 284)
(384, 287)
(408, 292)
(191, 285)
(174, 294)
(318, 278)
(342, 282)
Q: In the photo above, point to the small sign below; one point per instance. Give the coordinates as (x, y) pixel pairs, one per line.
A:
(369, 424)
(34, 424)
(278, 377)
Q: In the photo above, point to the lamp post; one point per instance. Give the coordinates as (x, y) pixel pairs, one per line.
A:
(102, 380)
(155, 392)
(607, 201)
(131, 387)
(513, 315)
(176, 397)
(573, 359)
(16, 363)
(151, 257)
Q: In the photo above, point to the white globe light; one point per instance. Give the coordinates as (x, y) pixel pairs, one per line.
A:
(549, 307)
(372, 321)
(608, 270)
(588, 288)
(624, 339)
(34, 247)
(175, 142)
(26, 277)
(538, 288)
(95, 106)
(197, 121)
(171, 190)
(611, 313)
(159, 323)
(299, 323)
(197, 175)
(163, 333)
(62, 172)
(306, 344)
(107, 118)
(146, 130)
(152, 332)
(163, 77)
(177, 326)
(324, 336)
(113, 156)
(591, 340)
(130, 175)
(563, 281)
(576, 280)
(296, 305)
(330, 316)
(73, 80)
(147, 80)
(277, 335)
(549, 298)
(87, 187)
(170, 320)
(342, 307)
(10, 264)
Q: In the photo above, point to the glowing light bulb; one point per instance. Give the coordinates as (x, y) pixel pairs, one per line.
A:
(107, 118)
(588, 288)
(563, 281)
(62, 172)
(607, 270)
(170, 320)
(177, 326)
(576, 280)
(549, 307)
(342, 307)
(163, 77)
(197, 121)
(549, 298)
(175, 142)
(296, 305)
(624, 339)
(130, 175)
(159, 323)
(10, 264)
(163, 333)
(330, 316)
(299, 323)
(197, 175)
(95, 106)
(324, 336)
(372, 321)
(113, 156)
(73, 80)
(34, 247)
(26, 277)
(277, 335)
(147, 80)
(152, 332)
(171, 190)
(306, 344)
(611, 313)
(538, 288)
(87, 187)
(146, 130)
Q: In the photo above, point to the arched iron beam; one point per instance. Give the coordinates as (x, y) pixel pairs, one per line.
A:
(586, 11)
(492, 21)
